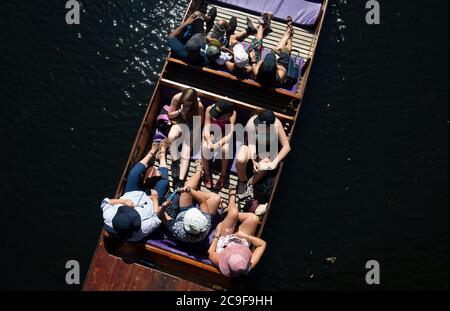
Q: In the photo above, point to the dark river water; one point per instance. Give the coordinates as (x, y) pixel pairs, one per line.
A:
(367, 177)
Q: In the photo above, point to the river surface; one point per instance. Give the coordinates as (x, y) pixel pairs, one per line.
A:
(367, 178)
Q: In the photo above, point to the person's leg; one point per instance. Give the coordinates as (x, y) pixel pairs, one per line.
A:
(257, 177)
(198, 26)
(223, 166)
(185, 159)
(242, 159)
(174, 133)
(289, 43)
(242, 35)
(230, 221)
(213, 201)
(162, 153)
(286, 41)
(249, 223)
(207, 178)
(260, 32)
(232, 27)
(238, 37)
(210, 18)
(162, 186)
(194, 183)
(134, 180)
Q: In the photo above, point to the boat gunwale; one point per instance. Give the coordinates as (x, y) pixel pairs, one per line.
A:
(150, 116)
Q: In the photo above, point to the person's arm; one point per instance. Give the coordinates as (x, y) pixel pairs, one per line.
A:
(201, 111)
(173, 111)
(230, 66)
(125, 202)
(177, 31)
(251, 139)
(281, 73)
(255, 68)
(199, 196)
(285, 145)
(227, 50)
(213, 256)
(260, 247)
(206, 127)
(229, 135)
(254, 64)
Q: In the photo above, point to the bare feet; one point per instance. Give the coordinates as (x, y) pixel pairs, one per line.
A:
(163, 146)
(153, 150)
(208, 181)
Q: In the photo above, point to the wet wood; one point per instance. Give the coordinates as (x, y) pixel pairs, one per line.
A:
(111, 273)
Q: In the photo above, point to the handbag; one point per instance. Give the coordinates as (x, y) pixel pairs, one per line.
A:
(293, 71)
(151, 177)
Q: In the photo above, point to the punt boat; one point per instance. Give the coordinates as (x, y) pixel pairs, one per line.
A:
(159, 263)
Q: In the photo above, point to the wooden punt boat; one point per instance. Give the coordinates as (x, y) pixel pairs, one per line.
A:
(119, 265)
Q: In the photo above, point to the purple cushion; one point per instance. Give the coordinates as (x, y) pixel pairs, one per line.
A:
(171, 246)
(303, 12)
(163, 238)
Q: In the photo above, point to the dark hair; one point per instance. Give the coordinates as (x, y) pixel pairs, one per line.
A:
(189, 96)
(267, 74)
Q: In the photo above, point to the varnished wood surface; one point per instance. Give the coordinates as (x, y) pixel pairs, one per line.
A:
(110, 273)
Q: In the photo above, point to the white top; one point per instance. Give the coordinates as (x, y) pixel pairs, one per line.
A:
(143, 205)
(223, 58)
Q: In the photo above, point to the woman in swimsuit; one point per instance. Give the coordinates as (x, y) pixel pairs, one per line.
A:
(230, 249)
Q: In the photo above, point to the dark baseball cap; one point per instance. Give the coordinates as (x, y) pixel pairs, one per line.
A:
(126, 222)
(266, 117)
(221, 108)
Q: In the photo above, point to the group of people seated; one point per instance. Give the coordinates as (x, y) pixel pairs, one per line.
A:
(191, 215)
(202, 42)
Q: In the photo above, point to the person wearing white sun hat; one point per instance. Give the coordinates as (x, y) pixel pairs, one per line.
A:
(190, 217)
(240, 56)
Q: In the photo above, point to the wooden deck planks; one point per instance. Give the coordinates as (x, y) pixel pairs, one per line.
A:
(303, 38)
(224, 193)
(110, 273)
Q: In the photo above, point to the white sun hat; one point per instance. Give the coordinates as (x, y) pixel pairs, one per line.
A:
(240, 55)
(195, 222)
